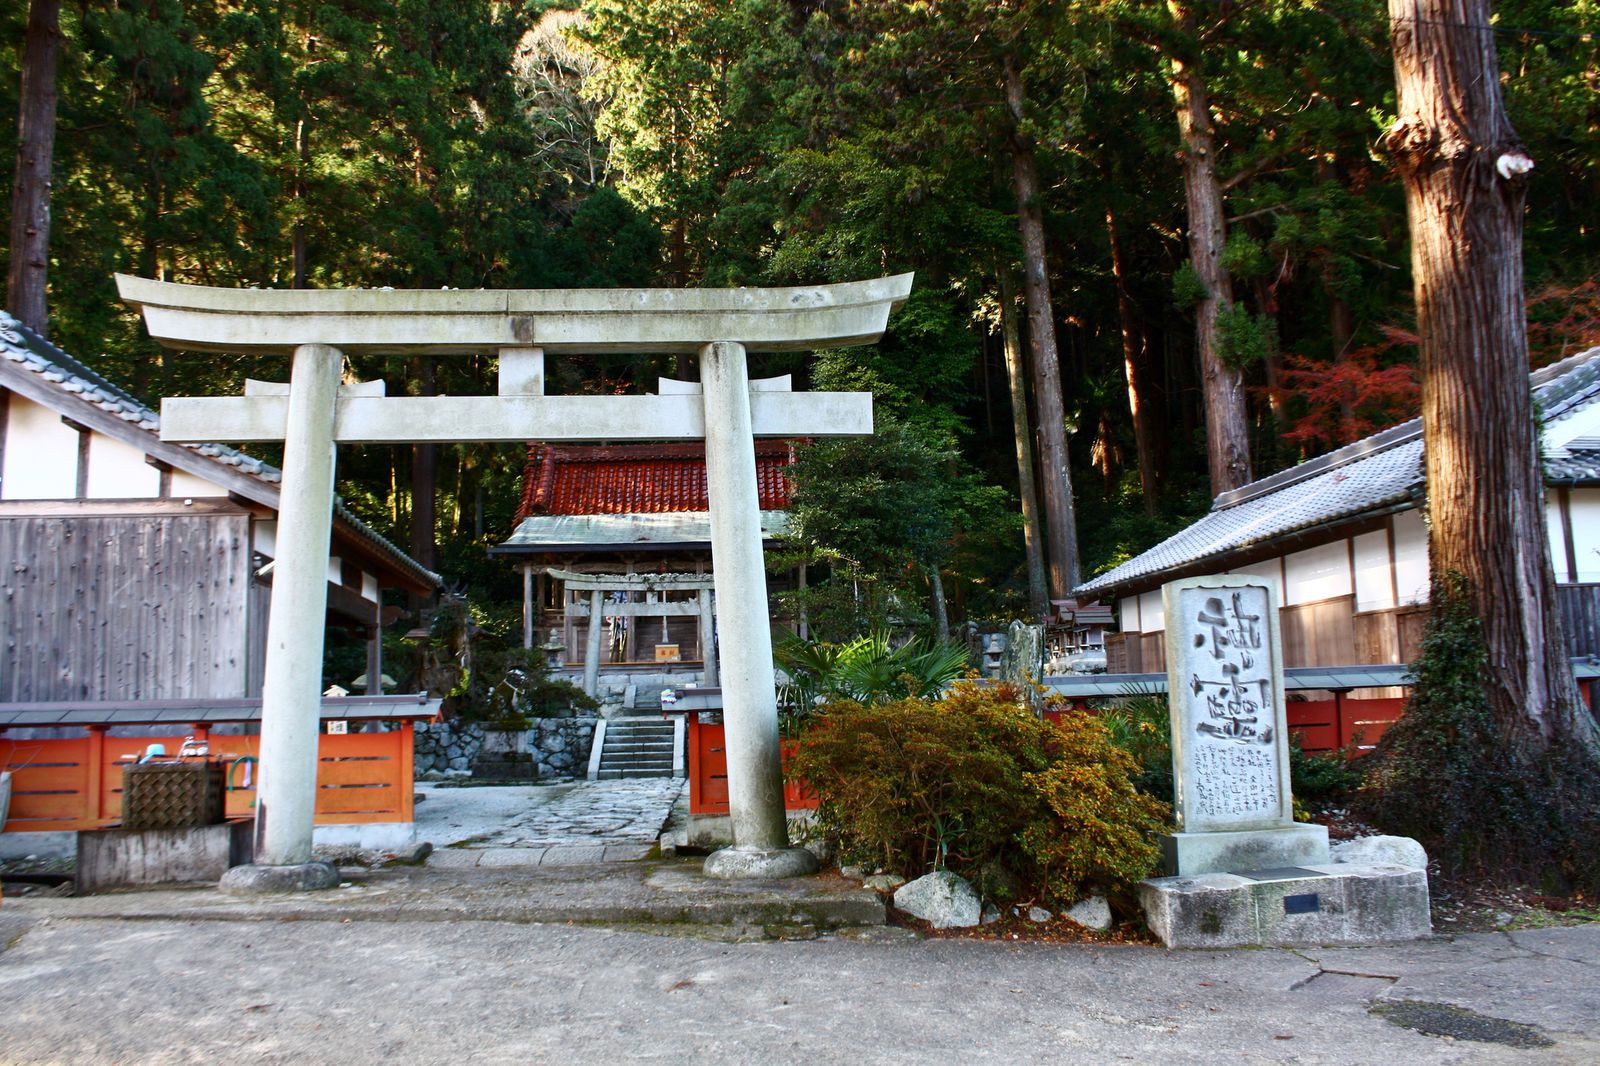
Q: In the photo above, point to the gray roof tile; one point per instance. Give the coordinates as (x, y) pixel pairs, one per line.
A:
(1370, 476)
(22, 346)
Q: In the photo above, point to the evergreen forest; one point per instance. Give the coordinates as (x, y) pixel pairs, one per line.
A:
(1100, 198)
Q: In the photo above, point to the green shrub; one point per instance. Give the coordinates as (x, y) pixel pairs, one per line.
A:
(1093, 830)
(977, 784)
(1446, 774)
(1141, 725)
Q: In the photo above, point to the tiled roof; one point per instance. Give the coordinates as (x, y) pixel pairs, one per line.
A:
(637, 478)
(1380, 473)
(669, 530)
(25, 348)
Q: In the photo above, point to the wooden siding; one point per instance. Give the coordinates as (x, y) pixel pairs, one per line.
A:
(1580, 617)
(123, 606)
(1319, 634)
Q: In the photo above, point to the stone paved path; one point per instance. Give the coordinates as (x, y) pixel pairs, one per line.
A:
(593, 821)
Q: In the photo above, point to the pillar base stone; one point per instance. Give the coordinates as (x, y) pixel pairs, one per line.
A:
(258, 879)
(740, 863)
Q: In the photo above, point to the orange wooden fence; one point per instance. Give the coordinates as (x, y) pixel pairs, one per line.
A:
(1342, 723)
(708, 772)
(76, 783)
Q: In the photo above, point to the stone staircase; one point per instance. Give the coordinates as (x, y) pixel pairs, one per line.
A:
(645, 746)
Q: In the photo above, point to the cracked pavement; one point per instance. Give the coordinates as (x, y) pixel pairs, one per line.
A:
(93, 990)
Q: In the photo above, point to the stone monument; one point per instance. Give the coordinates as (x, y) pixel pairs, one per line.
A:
(1243, 870)
(1230, 737)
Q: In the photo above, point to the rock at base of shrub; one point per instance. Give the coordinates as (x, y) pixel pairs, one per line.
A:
(1091, 913)
(1379, 850)
(1039, 914)
(884, 882)
(942, 899)
(991, 914)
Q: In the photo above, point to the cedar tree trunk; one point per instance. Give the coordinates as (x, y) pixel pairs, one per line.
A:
(1463, 167)
(30, 193)
(1060, 525)
(1227, 424)
(1133, 368)
(1038, 589)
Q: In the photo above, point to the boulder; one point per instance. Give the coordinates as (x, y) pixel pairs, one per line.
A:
(942, 899)
(1039, 914)
(1091, 913)
(884, 882)
(1381, 851)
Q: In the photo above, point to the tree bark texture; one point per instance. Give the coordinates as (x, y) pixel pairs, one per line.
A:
(1463, 167)
(1060, 525)
(1227, 423)
(26, 284)
(1133, 368)
(1038, 589)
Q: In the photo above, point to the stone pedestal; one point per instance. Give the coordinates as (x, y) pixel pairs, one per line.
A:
(1190, 854)
(1334, 903)
(127, 858)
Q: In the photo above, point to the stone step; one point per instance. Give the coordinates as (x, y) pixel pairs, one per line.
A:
(635, 764)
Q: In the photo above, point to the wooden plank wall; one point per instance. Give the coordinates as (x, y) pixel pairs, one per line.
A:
(1580, 615)
(1319, 634)
(259, 606)
(107, 607)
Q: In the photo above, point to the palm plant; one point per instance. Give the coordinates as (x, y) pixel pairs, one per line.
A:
(868, 669)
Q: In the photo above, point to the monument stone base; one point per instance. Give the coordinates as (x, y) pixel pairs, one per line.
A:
(260, 879)
(1332, 903)
(1191, 854)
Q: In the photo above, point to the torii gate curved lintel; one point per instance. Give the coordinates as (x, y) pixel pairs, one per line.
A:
(520, 326)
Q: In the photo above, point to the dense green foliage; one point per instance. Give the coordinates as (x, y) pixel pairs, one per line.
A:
(1446, 775)
(869, 669)
(464, 143)
(977, 784)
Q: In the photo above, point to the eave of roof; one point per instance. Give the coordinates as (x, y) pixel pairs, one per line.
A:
(78, 382)
(607, 532)
(1368, 478)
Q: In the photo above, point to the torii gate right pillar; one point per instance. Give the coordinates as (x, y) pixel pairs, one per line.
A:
(749, 693)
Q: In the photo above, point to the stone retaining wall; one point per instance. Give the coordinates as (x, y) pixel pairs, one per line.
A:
(560, 746)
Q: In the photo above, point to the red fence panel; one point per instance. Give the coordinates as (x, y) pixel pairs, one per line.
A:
(708, 772)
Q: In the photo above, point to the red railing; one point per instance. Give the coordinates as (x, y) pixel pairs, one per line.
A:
(76, 783)
(708, 772)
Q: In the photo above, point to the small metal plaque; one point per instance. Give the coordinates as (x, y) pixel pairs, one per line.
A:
(1281, 873)
(1309, 903)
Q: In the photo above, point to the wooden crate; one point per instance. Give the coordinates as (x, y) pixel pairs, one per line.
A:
(172, 795)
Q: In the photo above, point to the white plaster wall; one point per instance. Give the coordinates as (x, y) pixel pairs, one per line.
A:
(1318, 573)
(117, 471)
(1151, 619)
(1374, 579)
(1585, 509)
(1411, 557)
(41, 454)
(1553, 529)
(264, 538)
(1272, 569)
(335, 570)
(369, 587)
(186, 486)
(1128, 614)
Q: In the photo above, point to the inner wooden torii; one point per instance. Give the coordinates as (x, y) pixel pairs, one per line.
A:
(313, 412)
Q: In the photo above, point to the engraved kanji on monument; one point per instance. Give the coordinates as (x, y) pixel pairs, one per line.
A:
(1230, 748)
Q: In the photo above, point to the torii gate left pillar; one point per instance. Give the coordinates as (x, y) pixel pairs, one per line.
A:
(314, 413)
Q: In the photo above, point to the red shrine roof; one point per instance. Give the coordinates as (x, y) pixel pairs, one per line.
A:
(637, 478)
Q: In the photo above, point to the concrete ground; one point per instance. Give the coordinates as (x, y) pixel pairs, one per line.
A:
(75, 988)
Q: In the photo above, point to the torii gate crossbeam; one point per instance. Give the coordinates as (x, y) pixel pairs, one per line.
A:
(314, 412)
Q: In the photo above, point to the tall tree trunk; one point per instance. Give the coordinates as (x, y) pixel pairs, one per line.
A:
(30, 193)
(1133, 356)
(1038, 590)
(1060, 525)
(1463, 167)
(1227, 424)
(941, 613)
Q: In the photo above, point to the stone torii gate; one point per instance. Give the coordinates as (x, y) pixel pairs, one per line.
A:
(314, 412)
